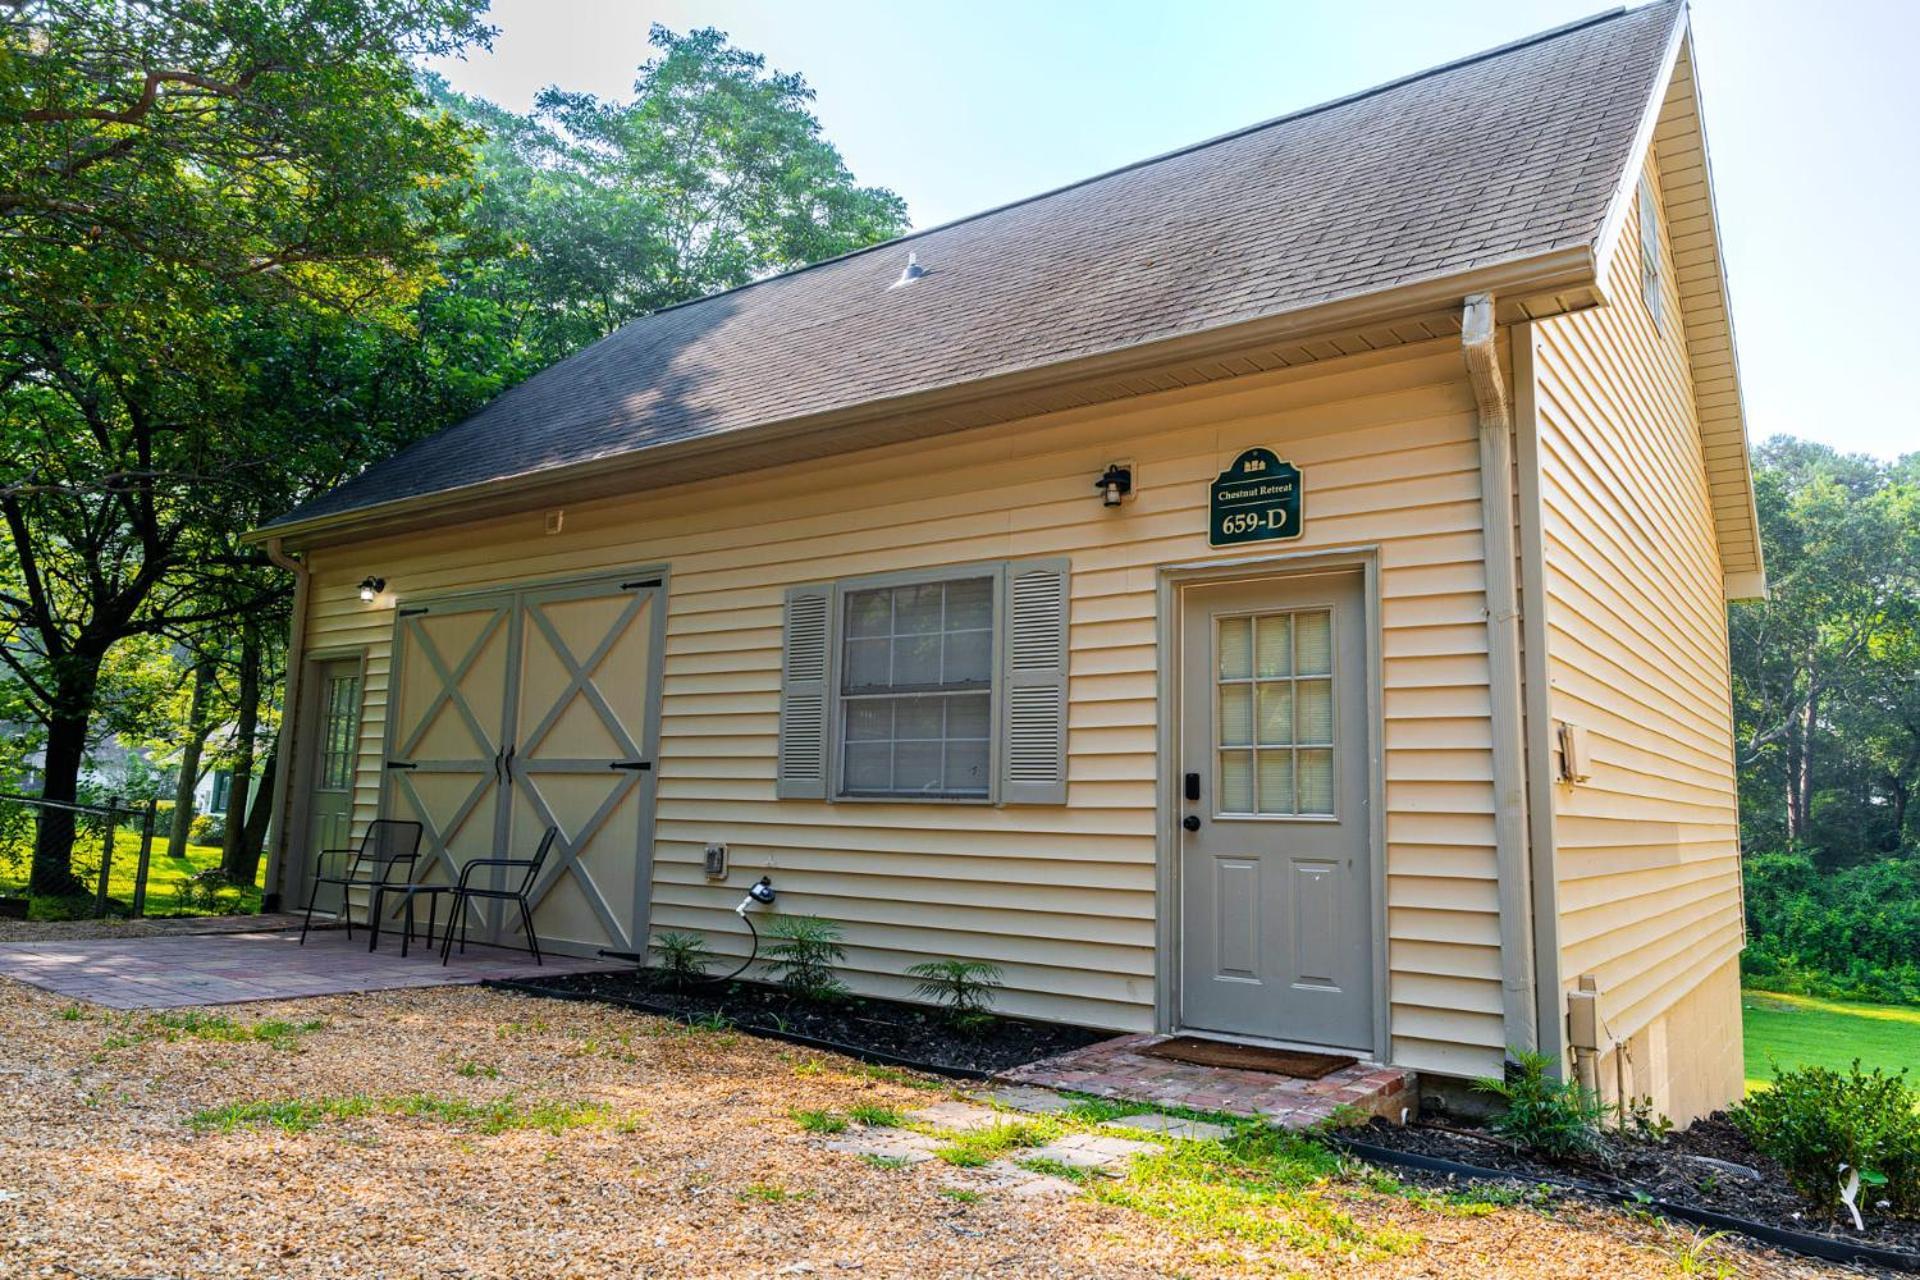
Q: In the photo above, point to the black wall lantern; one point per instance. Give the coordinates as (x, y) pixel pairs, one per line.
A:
(1115, 485)
(370, 587)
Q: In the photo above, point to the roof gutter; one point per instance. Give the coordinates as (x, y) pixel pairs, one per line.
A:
(1479, 345)
(1543, 284)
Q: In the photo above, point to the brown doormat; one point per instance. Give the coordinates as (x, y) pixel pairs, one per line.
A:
(1246, 1057)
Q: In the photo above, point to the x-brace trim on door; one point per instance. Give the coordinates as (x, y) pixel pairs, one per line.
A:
(450, 685)
(567, 848)
(580, 684)
(580, 678)
(437, 836)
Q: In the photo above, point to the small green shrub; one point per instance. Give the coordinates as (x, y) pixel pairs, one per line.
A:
(820, 1121)
(209, 893)
(874, 1116)
(802, 955)
(207, 828)
(966, 987)
(1814, 1119)
(1638, 1120)
(1545, 1115)
(683, 957)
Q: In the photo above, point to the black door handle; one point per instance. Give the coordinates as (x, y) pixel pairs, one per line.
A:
(1191, 822)
(1193, 786)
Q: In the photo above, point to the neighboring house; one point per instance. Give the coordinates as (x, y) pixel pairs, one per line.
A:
(1274, 590)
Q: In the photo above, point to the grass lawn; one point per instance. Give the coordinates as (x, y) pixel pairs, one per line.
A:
(164, 878)
(1800, 1031)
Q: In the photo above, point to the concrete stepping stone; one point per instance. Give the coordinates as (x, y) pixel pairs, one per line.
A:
(1029, 1098)
(1090, 1151)
(886, 1144)
(1037, 1185)
(1173, 1127)
(961, 1116)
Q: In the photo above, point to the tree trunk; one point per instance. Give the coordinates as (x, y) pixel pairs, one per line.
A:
(232, 860)
(76, 677)
(66, 750)
(1800, 770)
(197, 732)
(253, 837)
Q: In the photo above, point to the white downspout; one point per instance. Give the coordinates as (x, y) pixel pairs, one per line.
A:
(279, 828)
(1477, 342)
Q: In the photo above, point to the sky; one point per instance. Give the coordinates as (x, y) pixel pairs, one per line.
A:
(1813, 124)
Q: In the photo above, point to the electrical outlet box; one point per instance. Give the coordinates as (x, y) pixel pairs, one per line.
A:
(1576, 759)
(1583, 1014)
(556, 520)
(716, 861)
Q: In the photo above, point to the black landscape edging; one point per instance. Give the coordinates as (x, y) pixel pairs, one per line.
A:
(874, 1056)
(1827, 1248)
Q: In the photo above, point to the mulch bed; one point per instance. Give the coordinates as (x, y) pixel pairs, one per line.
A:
(1681, 1170)
(882, 1030)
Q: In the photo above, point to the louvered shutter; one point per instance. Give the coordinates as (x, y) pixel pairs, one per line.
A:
(1033, 647)
(805, 661)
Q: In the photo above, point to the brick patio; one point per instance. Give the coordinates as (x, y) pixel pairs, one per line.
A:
(1117, 1069)
(232, 968)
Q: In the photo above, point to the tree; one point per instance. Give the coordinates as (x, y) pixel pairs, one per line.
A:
(714, 174)
(246, 250)
(193, 740)
(174, 180)
(1824, 669)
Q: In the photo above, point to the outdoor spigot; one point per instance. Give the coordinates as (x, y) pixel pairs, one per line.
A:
(761, 892)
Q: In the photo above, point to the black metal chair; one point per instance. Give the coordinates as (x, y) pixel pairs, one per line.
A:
(463, 893)
(390, 845)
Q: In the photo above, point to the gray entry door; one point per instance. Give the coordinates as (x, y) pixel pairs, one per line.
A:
(1276, 932)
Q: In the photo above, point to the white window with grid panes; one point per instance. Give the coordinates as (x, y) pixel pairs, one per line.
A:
(1274, 714)
(916, 690)
(948, 685)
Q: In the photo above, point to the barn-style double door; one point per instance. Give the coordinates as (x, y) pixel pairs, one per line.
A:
(517, 711)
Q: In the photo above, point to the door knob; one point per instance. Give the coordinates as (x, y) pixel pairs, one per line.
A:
(1191, 822)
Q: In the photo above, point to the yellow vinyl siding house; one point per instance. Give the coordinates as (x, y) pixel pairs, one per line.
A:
(823, 571)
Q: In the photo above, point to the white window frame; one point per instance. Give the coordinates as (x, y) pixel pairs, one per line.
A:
(995, 572)
(1652, 269)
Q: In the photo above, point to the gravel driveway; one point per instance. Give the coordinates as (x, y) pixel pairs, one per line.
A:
(465, 1132)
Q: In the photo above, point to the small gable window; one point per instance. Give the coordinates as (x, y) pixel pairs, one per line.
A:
(1650, 284)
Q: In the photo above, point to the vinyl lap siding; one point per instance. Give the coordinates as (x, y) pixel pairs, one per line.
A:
(1061, 897)
(1648, 851)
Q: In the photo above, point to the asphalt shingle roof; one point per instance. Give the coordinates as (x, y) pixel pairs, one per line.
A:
(1503, 156)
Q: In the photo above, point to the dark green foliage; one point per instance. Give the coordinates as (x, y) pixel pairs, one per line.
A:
(683, 957)
(1813, 1120)
(250, 249)
(209, 893)
(1545, 1115)
(966, 987)
(1826, 697)
(1850, 933)
(802, 954)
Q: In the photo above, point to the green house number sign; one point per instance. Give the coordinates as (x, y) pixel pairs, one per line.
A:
(1257, 499)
